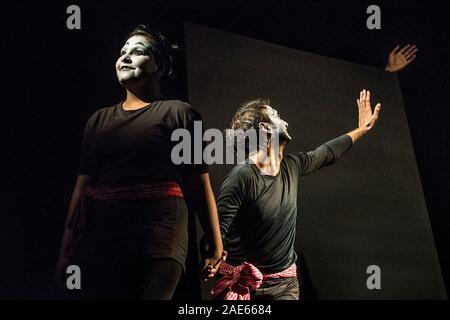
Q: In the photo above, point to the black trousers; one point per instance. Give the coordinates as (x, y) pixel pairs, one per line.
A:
(154, 279)
(277, 289)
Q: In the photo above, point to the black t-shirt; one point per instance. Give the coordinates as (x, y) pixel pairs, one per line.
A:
(123, 147)
(258, 212)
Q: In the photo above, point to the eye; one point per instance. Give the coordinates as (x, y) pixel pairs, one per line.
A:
(122, 53)
(139, 52)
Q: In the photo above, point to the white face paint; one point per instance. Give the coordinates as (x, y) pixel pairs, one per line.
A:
(136, 60)
(278, 124)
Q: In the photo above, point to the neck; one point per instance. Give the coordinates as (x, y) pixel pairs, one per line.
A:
(139, 96)
(269, 161)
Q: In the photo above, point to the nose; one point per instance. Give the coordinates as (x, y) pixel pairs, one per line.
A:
(126, 58)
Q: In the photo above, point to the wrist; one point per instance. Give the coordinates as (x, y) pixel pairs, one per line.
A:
(210, 247)
(362, 130)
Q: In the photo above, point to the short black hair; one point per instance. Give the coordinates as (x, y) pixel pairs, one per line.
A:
(161, 48)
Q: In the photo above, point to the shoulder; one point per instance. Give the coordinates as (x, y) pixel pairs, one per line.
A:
(293, 160)
(242, 172)
(101, 114)
(178, 114)
(292, 157)
(241, 180)
(176, 106)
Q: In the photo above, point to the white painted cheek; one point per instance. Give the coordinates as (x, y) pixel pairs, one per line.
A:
(118, 72)
(149, 66)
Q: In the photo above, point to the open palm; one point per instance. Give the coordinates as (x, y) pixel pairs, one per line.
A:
(400, 58)
(367, 118)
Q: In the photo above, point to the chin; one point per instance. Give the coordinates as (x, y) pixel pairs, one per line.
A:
(285, 137)
(127, 80)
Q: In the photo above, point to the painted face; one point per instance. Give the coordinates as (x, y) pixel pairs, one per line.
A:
(278, 124)
(136, 60)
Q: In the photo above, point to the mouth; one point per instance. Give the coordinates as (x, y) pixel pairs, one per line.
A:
(126, 68)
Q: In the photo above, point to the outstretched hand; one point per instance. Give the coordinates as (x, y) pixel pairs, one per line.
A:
(367, 119)
(400, 58)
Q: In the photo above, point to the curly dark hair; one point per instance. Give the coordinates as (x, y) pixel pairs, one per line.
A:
(247, 117)
(161, 48)
(250, 114)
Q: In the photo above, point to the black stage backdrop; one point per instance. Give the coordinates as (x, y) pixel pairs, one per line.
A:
(369, 208)
(53, 79)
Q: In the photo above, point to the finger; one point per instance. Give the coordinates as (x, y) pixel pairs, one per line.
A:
(410, 49)
(376, 112)
(374, 118)
(411, 59)
(368, 100)
(208, 266)
(393, 52)
(359, 105)
(405, 48)
(410, 52)
(363, 98)
(212, 272)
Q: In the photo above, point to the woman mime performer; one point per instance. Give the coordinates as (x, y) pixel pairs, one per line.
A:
(127, 221)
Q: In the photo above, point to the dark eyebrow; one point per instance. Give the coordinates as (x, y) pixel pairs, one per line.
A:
(126, 43)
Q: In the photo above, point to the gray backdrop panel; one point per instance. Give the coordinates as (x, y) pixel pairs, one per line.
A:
(369, 208)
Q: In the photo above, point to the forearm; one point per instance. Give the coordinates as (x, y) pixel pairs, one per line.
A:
(207, 212)
(81, 183)
(357, 134)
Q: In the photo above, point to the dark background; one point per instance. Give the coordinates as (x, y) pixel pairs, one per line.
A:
(54, 78)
